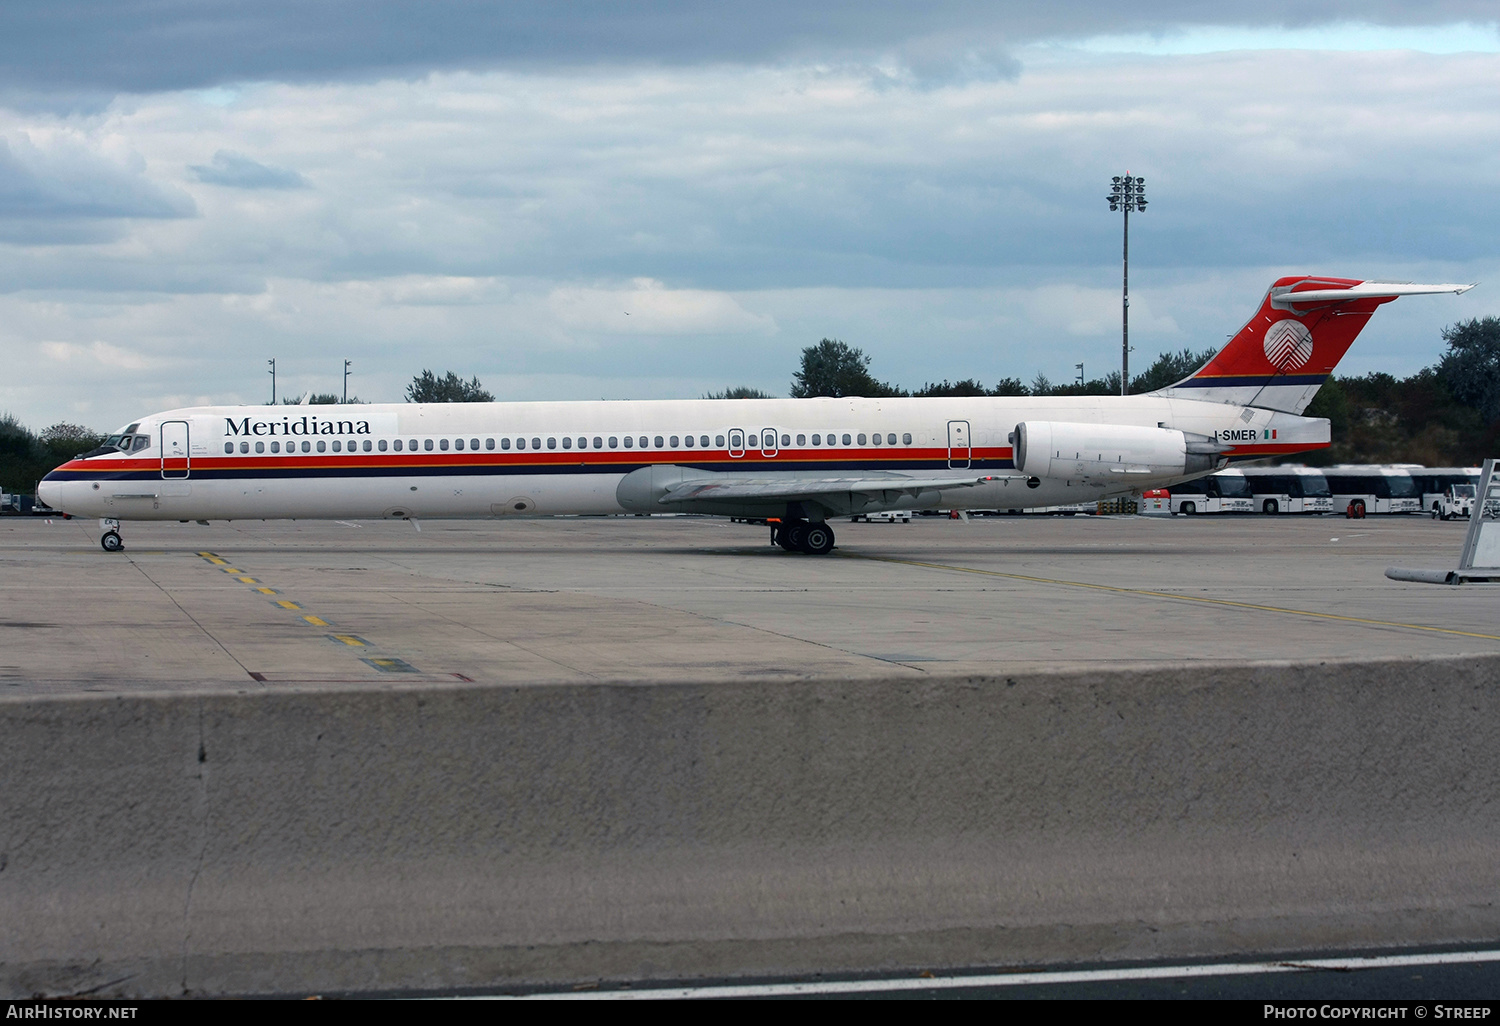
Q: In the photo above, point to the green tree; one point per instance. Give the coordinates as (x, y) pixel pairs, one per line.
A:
(429, 388)
(1169, 369)
(833, 368)
(968, 386)
(1471, 366)
(741, 392)
(1010, 386)
(62, 441)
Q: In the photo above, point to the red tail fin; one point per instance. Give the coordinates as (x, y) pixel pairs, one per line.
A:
(1304, 326)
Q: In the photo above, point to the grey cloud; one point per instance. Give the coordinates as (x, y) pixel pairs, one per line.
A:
(151, 45)
(238, 171)
(65, 193)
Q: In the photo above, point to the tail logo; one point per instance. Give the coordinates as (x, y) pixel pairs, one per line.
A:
(1289, 345)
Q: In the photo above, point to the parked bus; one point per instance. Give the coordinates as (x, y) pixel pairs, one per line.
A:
(1433, 483)
(1224, 492)
(1289, 489)
(1372, 489)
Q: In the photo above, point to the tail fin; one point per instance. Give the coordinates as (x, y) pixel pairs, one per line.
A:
(1281, 357)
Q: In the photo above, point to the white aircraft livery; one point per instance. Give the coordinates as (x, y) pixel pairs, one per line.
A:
(791, 462)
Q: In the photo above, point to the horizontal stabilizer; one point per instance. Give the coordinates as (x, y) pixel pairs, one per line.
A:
(1367, 290)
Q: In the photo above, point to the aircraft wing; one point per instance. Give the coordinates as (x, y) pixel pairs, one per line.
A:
(772, 488)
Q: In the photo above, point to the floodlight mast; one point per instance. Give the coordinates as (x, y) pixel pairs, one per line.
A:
(1128, 193)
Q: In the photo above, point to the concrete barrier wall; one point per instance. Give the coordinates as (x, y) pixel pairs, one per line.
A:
(360, 838)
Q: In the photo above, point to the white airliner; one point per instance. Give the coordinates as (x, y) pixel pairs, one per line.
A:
(791, 462)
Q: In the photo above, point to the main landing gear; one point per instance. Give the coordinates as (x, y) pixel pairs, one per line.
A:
(815, 539)
(110, 540)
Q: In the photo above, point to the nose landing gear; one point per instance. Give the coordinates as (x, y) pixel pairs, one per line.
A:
(110, 540)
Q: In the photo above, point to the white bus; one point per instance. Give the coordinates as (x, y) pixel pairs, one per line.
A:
(1289, 489)
(1372, 489)
(1433, 482)
(1224, 492)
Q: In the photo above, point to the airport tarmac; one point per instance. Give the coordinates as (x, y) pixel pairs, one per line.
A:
(251, 605)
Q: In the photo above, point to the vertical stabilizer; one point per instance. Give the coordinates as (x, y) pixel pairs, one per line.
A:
(1283, 354)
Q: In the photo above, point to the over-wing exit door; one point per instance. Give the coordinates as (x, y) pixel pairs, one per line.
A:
(958, 445)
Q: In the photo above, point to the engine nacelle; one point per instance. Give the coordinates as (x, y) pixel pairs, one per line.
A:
(1050, 448)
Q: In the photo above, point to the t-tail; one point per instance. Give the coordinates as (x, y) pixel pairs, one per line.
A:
(1282, 356)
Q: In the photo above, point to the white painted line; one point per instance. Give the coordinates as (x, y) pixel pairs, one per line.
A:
(1013, 979)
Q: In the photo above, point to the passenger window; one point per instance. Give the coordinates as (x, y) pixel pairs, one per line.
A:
(520, 443)
(244, 447)
(275, 446)
(412, 444)
(875, 438)
(719, 441)
(443, 444)
(427, 444)
(474, 444)
(381, 445)
(906, 439)
(489, 443)
(228, 447)
(801, 439)
(536, 443)
(598, 442)
(337, 446)
(505, 443)
(817, 439)
(552, 443)
(366, 446)
(396, 445)
(322, 446)
(890, 439)
(704, 440)
(613, 442)
(688, 440)
(260, 446)
(643, 441)
(307, 446)
(583, 443)
(786, 440)
(658, 442)
(672, 440)
(458, 443)
(629, 441)
(567, 443)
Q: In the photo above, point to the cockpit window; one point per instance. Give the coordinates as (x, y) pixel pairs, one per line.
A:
(141, 442)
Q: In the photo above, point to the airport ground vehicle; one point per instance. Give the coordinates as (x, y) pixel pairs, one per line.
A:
(1358, 490)
(890, 516)
(1456, 502)
(1224, 492)
(1433, 482)
(799, 462)
(1289, 490)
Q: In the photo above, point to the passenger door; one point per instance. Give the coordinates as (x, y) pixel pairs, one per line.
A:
(958, 445)
(175, 461)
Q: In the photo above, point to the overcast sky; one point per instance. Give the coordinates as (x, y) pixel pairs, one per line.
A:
(647, 200)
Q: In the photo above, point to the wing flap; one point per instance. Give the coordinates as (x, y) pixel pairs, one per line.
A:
(770, 488)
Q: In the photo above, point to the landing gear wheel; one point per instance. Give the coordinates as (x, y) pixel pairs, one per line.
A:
(111, 541)
(1270, 506)
(817, 540)
(794, 537)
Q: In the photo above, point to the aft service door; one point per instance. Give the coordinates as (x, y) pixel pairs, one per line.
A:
(175, 461)
(736, 442)
(768, 442)
(958, 445)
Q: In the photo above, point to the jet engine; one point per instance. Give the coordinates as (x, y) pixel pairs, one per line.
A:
(1048, 448)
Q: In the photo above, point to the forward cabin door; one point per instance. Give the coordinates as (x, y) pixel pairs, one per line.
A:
(958, 445)
(175, 461)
